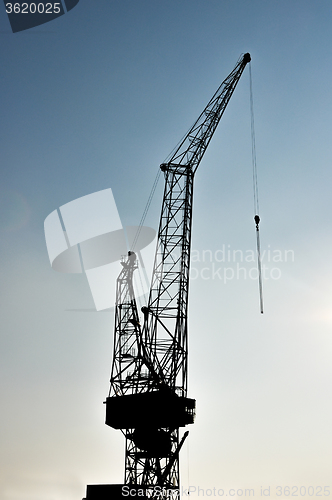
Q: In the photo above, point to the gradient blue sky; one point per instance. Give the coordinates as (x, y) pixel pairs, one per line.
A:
(97, 99)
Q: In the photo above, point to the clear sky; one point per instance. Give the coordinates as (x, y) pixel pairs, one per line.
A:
(97, 99)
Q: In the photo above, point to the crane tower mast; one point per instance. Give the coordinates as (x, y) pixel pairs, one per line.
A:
(148, 393)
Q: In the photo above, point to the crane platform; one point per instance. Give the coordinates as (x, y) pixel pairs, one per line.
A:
(157, 409)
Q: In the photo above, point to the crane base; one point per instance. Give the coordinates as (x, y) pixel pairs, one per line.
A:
(114, 492)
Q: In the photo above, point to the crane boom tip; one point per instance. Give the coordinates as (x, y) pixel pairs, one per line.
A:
(247, 57)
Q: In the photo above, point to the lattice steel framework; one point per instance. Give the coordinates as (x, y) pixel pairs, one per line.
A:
(148, 395)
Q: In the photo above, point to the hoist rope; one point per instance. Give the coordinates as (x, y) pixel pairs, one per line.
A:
(142, 286)
(138, 292)
(153, 191)
(257, 219)
(188, 464)
(147, 206)
(255, 188)
(253, 147)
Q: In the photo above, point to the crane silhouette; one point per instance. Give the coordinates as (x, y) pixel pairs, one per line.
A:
(148, 392)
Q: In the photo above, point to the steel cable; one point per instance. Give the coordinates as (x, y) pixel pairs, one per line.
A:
(255, 189)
